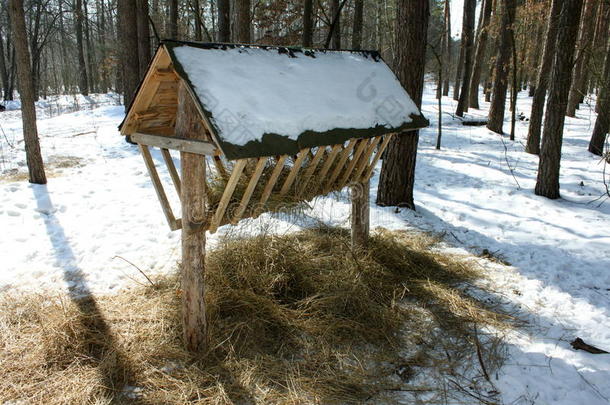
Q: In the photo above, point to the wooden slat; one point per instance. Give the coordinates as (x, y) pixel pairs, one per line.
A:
(369, 171)
(365, 159)
(329, 161)
(312, 167)
(220, 167)
(344, 156)
(183, 145)
(362, 144)
(271, 183)
(226, 195)
(152, 171)
(172, 170)
(260, 165)
(295, 170)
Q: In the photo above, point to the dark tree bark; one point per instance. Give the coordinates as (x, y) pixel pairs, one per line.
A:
(547, 183)
(143, 36)
(26, 91)
(224, 21)
(307, 23)
(448, 47)
(585, 41)
(468, 38)
(93, 82)
(198, 23)
(398, 170)
(602, 123)
(505, 44)
(479, 58)
(542, 81)
(357, 28)
(242, 21)
(172, 23)
(458, 73)
(82, 67)
(3, 68)
(130, 64)
(335, 12)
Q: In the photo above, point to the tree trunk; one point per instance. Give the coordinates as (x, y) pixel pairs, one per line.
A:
(542, 81)
(197, 20)
(143, 37)
(448, 47)
(3, 68)
(458, 73)
(307, 23)
(475, 79)
(585, 41)
(398, 170)
(357, 28)
(172, 23)
(224, 21)
(26, 91)
(193, 199)
(468, 38)
(93, 82)
(82, 67)
(498, 100)
(130, 65)
(242, 21)
(335, 12)
(547, 183)
(602, 123)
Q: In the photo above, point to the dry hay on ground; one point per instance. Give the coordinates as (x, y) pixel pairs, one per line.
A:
(295, 319)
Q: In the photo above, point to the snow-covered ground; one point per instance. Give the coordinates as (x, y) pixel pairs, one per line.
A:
(99, 208)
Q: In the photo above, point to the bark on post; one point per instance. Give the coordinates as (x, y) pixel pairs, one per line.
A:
(26, 90)
(360, 215)
(547, 183)
(193, 199)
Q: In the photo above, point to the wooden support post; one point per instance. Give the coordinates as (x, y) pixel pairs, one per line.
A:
(193, 199)
(360, 215)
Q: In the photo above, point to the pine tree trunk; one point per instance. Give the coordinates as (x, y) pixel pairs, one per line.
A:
(3, 69)
(143, 36)
(197, 22)
(458, 73)
(479, 57)
(585, 41)
(93, 83)
(398, 170)
(468, 38)
(26, 91)
(82, 67)
(335, 13)
(357, 27)
(172, 23)
(130, 65)
(307, 23)
(224, 21)
(602, 123)
(498, 100)
(542, 81)
(547, 183)
(448, 47)
(242, 21)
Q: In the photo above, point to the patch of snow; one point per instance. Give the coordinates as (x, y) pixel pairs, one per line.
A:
(251, 92)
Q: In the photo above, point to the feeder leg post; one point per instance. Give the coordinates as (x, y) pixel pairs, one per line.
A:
(193, 199)
(360, 215)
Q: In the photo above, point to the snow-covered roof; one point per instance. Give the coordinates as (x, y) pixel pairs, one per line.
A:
(264, 101)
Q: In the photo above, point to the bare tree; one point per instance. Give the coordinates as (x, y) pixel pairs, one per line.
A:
(82, 69)
(335, 27)
(602, 123)
(542, 80)
(224, 21)
(307, 23)
(172, 23)
(475, 79)
(130, 64)
(547, 183)
(357, 27)
(398, 170)
(468, 39)
(242, 21)
(26, 91)
(143, 36)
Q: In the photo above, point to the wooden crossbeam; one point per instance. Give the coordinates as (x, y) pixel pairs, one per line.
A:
(220, 167)
(366, 157)
(369, 171)
(271, 183)
(169, 162)
(295, 170)
(154, 175)
(260, 165)
(312, 168)
(183, 145)
(227, 194)
(362, 144)
(344, 156)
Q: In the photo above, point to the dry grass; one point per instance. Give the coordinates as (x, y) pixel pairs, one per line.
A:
(295, 319)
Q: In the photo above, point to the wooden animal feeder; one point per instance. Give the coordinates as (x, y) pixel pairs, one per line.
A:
(259, 128)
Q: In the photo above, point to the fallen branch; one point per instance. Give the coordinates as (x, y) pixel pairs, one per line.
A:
(137, 268)
(579, 344)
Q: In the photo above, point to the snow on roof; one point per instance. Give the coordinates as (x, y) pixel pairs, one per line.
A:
(271, 101)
